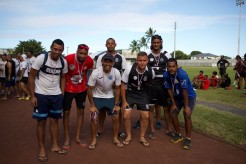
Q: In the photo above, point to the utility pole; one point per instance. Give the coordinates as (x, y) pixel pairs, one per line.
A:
(174, 52)
(67, 50)
(239, 3)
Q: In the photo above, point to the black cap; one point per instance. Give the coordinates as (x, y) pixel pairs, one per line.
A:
(108, 56)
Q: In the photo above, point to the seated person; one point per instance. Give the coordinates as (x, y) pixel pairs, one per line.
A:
(197, 80)
(205, 83)
(225, 82)
(214, 80)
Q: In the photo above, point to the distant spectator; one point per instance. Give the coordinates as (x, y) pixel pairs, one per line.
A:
(225, 82)
(214, 80)
(3, 61)
(205, 83)
(222, 64)
(240, 69)
(197, 80)
(244, 75)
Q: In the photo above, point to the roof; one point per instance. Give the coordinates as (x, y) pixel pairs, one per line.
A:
(205, 55)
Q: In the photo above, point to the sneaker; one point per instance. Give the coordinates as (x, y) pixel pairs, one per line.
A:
(187, 144)
(158, 125)
(177, 138)
(137, 125)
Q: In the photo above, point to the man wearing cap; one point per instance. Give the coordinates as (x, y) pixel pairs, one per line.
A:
(120, 64)
(79, 64)
(101, 86)
(222, 64)
(24, 78)
(158, 94)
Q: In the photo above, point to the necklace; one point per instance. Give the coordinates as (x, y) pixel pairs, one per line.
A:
(80, 71)
(173, 82)
(140, 78)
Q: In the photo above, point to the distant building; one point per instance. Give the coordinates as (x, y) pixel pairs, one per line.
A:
(204, 56)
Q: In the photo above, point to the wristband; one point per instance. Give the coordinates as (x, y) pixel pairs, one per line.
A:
(117, 104)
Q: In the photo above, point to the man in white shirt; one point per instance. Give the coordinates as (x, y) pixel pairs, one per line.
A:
(101, 96)
(47, 82)
(24, 78)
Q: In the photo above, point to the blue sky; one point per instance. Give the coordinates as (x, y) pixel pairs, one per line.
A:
(209, 26)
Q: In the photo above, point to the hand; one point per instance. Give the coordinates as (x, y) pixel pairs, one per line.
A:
(93, 109)
(187, 110)
(116, 108)
(173, 107)
(124, 105)
(34, 101)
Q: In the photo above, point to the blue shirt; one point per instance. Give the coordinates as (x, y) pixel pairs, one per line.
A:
(177, 83)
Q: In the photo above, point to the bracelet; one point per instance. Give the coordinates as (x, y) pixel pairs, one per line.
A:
(117, 104)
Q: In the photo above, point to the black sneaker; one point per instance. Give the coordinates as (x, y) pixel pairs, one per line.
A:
(177, 138)
(137, 125)
(158, 125)
(187, 144)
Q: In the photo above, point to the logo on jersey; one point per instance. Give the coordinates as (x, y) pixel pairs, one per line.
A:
(72, 67)
(151, 59)
(161, 59)
(135, 77)
(183, 82)
(145, 78)
(110, 77)
(116, 60)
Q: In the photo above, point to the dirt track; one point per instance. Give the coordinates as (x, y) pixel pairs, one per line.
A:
(18, 143)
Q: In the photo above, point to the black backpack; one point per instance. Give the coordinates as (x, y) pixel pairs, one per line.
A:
(45, 60)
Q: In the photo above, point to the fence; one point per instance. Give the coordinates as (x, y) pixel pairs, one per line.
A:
(203, 63)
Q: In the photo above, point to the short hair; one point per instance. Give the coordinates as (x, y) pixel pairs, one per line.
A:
(141, 53)
(31, 52)
(110, 39)
(153, 38)
(172, 60)
(57, 41)
(215, 73)
(201, 71)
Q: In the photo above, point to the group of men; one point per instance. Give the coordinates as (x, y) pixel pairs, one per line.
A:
(113, 88)
(14, 75)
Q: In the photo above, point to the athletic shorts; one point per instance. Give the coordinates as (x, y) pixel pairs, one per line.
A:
(158, 95)
(105, 103)
(222, 72)
(140, 99)
(191, 104)
(48, 106)
(9, 83)
(17, 78)
(24, 80)
(79, 98)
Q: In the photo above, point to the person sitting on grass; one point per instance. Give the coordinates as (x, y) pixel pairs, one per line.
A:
(214, 80)
(225, 82)
(205, 83)
(197, 80)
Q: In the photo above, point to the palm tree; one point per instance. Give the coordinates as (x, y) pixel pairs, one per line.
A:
(149, 33)
(135, 46)
(143, 43)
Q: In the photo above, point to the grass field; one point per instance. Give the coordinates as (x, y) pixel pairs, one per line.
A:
(224, 125)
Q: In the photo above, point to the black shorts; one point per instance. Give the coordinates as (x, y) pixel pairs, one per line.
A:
(24, 80)
(79, 98)
(140, 99)
(158, 95)
(222, 71)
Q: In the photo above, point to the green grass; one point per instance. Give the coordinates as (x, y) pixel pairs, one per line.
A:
(224, 125)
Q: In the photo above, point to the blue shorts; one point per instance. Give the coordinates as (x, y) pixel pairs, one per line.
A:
(105, 103)
(191, 104)
(48, 106)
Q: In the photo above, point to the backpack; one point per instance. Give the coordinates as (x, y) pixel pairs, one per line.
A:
(45, 60)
